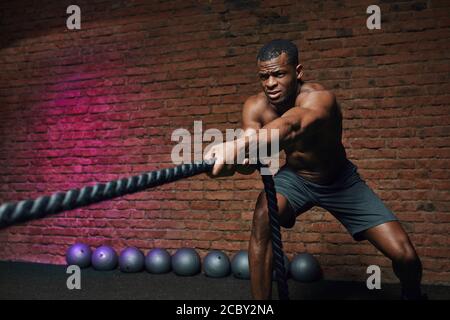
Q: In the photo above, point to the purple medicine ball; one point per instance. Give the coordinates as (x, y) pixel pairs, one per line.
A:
(158, 261)
(131, 259)
(79, 254)
(104, 258)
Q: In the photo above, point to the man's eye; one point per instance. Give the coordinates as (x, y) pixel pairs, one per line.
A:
(263, 76)
(280, 75)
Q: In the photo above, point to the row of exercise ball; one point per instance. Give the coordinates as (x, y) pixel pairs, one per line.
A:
(185, 262)
(131, 259)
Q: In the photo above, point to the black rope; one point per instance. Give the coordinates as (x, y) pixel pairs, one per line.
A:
(277, 244)
(16, 212)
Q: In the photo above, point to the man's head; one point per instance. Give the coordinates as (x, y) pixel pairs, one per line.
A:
(279, 71)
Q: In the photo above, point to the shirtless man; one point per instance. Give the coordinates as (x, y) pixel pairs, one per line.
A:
(317, 171)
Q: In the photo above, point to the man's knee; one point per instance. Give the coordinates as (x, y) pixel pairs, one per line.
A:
(286, 215)
(404, 253)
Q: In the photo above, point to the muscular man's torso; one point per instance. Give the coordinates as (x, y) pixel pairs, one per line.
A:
(318, 156)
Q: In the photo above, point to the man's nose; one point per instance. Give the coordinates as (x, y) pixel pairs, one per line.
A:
(271, 83)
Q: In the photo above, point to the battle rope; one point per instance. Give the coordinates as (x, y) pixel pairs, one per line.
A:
(16, 212)
(277, 245)
(12, 213)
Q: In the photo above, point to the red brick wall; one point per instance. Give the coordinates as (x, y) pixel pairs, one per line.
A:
(79, 107)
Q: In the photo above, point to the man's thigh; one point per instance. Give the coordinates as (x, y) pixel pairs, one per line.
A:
(293, 194)
(357, 207)
(285, 211)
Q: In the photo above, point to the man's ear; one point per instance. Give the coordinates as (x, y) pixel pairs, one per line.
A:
(299, 71)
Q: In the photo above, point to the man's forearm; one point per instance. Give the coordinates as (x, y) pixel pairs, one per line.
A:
(285, 129)
(274, 135)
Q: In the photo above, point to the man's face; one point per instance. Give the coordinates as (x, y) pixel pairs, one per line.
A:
(278, 79)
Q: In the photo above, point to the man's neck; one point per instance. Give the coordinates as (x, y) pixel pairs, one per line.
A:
(290, 103)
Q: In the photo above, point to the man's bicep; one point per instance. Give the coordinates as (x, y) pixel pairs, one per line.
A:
(302, 121)
(314, 109)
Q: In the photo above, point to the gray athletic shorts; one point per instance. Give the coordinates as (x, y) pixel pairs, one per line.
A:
(348, 198)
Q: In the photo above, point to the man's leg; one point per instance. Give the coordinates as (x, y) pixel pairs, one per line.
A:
(260, 246)
(393, 242)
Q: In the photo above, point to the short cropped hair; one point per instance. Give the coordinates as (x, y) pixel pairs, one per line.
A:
(275, 48)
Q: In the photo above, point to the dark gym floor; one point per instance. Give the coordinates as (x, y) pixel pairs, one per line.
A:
(41, 281)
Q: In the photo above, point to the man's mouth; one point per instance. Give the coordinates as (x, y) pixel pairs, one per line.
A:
(274, 94)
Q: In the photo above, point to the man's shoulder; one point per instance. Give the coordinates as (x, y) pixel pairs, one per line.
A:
(256, 102)
(317, 94)
(314, 89)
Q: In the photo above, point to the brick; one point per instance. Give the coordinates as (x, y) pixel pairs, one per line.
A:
(101, 104)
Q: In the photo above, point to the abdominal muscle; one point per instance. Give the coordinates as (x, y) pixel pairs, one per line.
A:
(319, 167)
